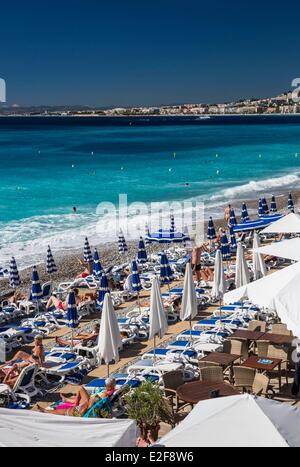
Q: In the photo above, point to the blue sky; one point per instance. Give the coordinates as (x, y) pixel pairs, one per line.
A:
(140, 52)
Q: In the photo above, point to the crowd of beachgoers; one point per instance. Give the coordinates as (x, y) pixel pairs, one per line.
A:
(55, 332)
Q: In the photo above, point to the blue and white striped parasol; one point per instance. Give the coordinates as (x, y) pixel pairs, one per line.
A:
(244, 216)
(72, 313)
(166, 274)
(147, 235)
(211, 231)
(224, 247)
(122, 244)
(50, 266)
(103, 290)
(14, 277)
(273, 204)
(232, 239)
(265, 207)
(98, 270)
(36, 289)
(290, 203)
(167, 237)
(87, 253)
(135, 278)
(142, 254)
(260, 208)
(172, 227)
(232, 220)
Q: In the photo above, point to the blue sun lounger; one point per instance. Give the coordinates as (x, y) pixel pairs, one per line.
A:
(162, 353)
(99, 383)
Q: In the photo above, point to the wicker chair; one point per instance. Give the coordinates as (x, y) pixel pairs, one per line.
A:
(213, 374)
(172, 381)
(281, 329)
(259, 326)
(236, 347)
(243, 377)
(262, 348)
(261, 386)
(280, 353)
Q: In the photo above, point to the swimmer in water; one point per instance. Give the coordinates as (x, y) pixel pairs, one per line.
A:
(74, 210)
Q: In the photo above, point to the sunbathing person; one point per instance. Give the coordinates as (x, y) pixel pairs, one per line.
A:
(55, 302)
(23, 359)
(81, 338)
(16, 297)
(82, 402)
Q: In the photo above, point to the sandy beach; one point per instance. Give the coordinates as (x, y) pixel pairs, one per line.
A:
(69, 266)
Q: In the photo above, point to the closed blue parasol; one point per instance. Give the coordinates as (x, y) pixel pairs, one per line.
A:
(211, 231)
(244, 216)
(14, 277)
(224, 247)
(98, 270)
(51, 266)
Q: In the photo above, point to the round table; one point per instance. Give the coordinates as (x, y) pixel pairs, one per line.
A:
(202, 390)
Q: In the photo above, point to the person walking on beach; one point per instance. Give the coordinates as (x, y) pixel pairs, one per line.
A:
(227, 214)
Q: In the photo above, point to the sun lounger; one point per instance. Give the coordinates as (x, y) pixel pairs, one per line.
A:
(24, 387)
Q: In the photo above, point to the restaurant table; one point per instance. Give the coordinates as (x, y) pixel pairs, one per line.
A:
(202, 390)
(253, 362)
(225, 360)
(277, 339)
(222, 359)
(247, 335)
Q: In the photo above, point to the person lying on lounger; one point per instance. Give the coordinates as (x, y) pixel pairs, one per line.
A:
(55, 302)
(81, 338)
(82, 402)
(10, 371)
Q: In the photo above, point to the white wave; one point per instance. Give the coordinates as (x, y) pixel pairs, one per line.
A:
(260, 186)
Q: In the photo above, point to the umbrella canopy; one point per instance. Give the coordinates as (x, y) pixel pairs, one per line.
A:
(24, 428)
(259, 265)
(237, 421)
(242, 276)
(142, 254)
(157, 316)
(290, 203)
(260, 208)
(211, 231)
(50, 265)
(224, 247)
(172, 223)
(147, 235)
(109, 341)
(87, 253)
(103, 290)
(232, 220)
(232, 239)
(219, 285)
(273, 204)
(135, 277)
(122, 244)
(189, 300)
(14, 277)
(167, 236)
(98, 270)
(258, 224)
(36, 289)
(287, 249)
(244, 215)
(166, 274)
(72, 313)
(265, 207)
(286, 224)
(279, 292)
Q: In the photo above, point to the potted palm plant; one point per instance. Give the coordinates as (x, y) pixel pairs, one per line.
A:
(148, 407)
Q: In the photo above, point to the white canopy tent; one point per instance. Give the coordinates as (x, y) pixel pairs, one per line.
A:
(279, 292)
(20, 428)
(287, 224)
(288, 249)
(237, 421)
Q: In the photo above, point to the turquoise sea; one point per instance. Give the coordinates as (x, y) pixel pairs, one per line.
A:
(48, 165)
